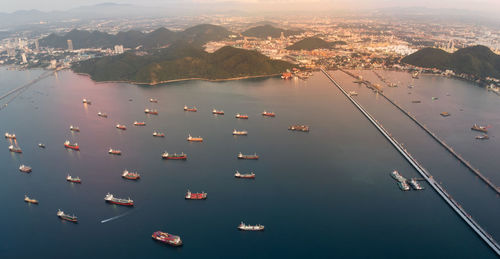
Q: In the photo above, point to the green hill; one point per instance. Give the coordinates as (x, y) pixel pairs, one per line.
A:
(265, 31)
(313, 43)
(181, 61)
(476, 60)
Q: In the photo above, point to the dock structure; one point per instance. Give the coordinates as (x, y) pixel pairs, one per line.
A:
(424, 173)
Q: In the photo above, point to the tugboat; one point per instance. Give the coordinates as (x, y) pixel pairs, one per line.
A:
(101, 114)
(114, 152)
(122, 127)
(153, 100)
(303, 128)
(152, 112)
(241, 116)
(445, 114)
(245, 176)
(484, 136)
(41, 145)
(130, 175)
(25, 169)
(190, 109)
(86, 101)
(15, 149)
(75, 146)
(10, 136)
(158, 134)
(217, 112)
(63, 216)
(249, 157)
(167, 238)
(195, 196)
(245, 227)
(268, 114)
(74, 128)
(125, 202)
(175, 156)
(141, 123)
(69, 178)
(194, 139)
(414, 183)
(479, 128)
(29, 200)
(240, 133)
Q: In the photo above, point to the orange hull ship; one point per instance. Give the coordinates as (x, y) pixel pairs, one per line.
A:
(190, 109)
(75, 146)
(194, 139)
(241, 116)
(130, 175)
(29, 200)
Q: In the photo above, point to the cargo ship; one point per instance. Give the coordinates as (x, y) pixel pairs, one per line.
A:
(29, 200)
(402, 182)
(64, 216)
(167, 238)
(120, 126)
(174, 156)
(303, 128)
(241, 116)
(483, 136)
(15, 149)
(125, 202)
(245, 227)
(353, 93)
(415, 185)
(245, 176)
(445, 114)
(194, 139)
(10, 136)
(69, 178)
(190, 109)
(153, 100)
(479, 128)
(41, 145)
(139, 123)
(158, 134)
(249, 157)
(86, 101)
(153, 112)
(217, 112)
(74, 128)
(25, 169)
(75, 146)
(114, 152)
(101, 114)
(268, 114)
(195, 196)
(240, 132)
(130, 175)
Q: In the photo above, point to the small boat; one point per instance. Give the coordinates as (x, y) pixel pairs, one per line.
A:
(415, 74)
(74, 128)
(268, 114)
(174, 156)
(75, 146)
(416, 101)
(130, 175)
(240, 132)
(303, 128)
(101, 114)
(29, 200)
(86, 101)
(114, 152)
(125, 202)
(25, 169)
(353, 93)
(63, 216)
(248, 157)
(120, 126)
(245, 176)
(10, 136)
(190, 109)
(15, 149)
(483, 136)
(69, 178)
(194, 139)
(139, 123)
(158, 134)
(41, 145)
(195, 196)
(245, 227)
(241, 116)
(167, 238)
(479, 128)
(445, 114)
(153, 112)
(153, 100)
(218, 112)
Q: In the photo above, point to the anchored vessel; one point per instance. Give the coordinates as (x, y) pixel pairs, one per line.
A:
(15, 149)
(479, 128)
(69, 178)
(29, 200)
(158, 134)
(130, 175)
(303, 128)
(415, 185)
(25, 169)
(402, 182)
(244, 227)
(250, 157)
(218, 112)
(74, 128)
(445, 114)
(483, 136)
(74, 146)
(175, 156)
(63, 216)
(10, 136)
(102, 114)
(240, 133)
(114, 152)
(195, 195)
(86, 101)
(153, 100)
(41, 145)
(125, 202)
(194, 139)
(167, 238)
(268, 114)
(245, 176)
(139, 123)
(353, 93)
(153, 112)
(190, 109)
(242, 116)
(120, 126)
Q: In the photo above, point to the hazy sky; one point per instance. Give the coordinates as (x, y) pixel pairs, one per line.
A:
(48, 5)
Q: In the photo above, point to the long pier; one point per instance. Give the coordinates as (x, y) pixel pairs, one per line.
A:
(424, 173)
(19, 89)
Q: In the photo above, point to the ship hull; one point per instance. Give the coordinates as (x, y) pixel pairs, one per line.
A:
(130, 204)
(174, 158)
(72, 147)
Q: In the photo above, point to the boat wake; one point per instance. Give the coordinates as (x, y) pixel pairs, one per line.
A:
(115, 217)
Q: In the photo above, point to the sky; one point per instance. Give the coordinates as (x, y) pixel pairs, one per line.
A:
(61, 5)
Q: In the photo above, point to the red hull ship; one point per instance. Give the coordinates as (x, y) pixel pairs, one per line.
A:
(130, 175)
(125, 202)
(175, 156)
(242, 116)
(167, 238)
(63, 216)
(269, 114)
(153, 112)
(244, 176)
(153, 100)
(69, 178)
(249, 157)
(190, 109)
(75, 146)
(217, 112)
(158, 134)
(195, 196)
(122, 127)
(137, 123)
(15, 149)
